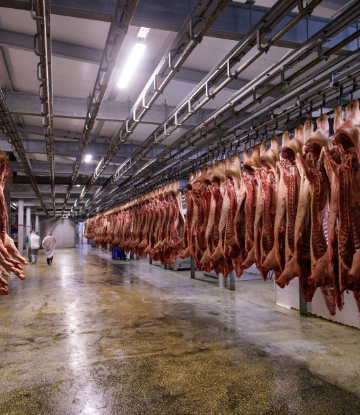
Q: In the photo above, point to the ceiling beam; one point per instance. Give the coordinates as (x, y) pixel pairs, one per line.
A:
(24, 41)
(76, 108)
(46, 196)
(34, 203)
(70, 149)
(233, 23)
(59, 180)
(63, 168)
(71, 135)
(17, 188)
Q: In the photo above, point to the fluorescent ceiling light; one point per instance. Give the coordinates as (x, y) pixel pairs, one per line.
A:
(143, 33)
(131, 64)
(87, 158)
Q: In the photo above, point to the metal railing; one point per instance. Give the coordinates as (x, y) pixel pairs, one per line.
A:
(42, 48)
(227, 111)
(234, 143)
(204, 90)
(325, 85)
(124, 11)
(198, 22)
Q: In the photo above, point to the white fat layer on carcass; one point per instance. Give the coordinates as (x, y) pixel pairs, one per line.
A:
(348, 127)
(274, 258)
(254, 255)
(323, 264)
(338, 117)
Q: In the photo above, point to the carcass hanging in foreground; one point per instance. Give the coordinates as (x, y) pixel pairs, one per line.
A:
(8, 250)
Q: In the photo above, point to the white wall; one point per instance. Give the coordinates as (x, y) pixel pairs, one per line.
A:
(348, 315)
(289, 297)
(63, 230)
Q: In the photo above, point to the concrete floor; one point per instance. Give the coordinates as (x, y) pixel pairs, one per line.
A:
(94, 336)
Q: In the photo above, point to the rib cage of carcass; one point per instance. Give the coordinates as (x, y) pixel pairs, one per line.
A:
(152, 224)
(295, 211)
(10, 258)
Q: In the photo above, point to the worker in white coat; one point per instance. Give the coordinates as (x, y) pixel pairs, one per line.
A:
(49, 244)
(34, 245)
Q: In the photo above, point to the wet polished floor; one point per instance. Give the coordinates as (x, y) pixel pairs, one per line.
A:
(94, 336)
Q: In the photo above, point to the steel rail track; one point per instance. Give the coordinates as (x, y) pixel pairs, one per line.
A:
(42, 48)
(276, 70)
(198, 22)
(124, 11)
(185, 109)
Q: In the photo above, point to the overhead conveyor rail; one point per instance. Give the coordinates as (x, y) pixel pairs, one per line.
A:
(185, 109)
(124, 11)
(10, 131)
(248, 139)
(42, 48)
(229, 110)
(250, 42)
(198, 22)
(346, 83)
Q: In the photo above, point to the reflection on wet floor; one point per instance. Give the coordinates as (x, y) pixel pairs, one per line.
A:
(94, 336)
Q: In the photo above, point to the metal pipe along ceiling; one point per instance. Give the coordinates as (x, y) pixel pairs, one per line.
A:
(228, 109)
(8, 125)
(199, 21)
(344, 83)
(252, 39)
(185, 109)
(123, 14)
(250, 138)
(42, 48)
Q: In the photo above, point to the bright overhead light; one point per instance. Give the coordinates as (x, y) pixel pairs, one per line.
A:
(143, 33)
(131, 64)
(87, 158)
(77, 185)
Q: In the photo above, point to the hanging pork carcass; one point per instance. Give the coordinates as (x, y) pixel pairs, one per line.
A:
(152, 224)
(8, 251)
(295, 212)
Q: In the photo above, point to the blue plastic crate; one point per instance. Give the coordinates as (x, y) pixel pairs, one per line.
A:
(116, 254)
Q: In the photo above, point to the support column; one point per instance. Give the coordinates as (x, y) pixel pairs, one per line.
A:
(150, 259)
(303, 305)
(221, 281)
(28, 228)
(37, 228)
(192, 267)
(21, 227)
(232, 280)
(8, 210)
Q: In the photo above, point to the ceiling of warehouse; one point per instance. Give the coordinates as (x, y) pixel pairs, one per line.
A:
(74, 77)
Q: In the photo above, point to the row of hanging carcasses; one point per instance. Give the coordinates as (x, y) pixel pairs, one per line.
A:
(152, 224)
(294, 212)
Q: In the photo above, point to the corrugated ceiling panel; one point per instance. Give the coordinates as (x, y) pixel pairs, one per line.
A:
(72, 78)
(68, 124)
(22, 66)
(17, 21)
(84, 32)
(209, 53)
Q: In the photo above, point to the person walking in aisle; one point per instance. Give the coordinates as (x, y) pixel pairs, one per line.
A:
(49, 244)
(34, 244)
(27, 241)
